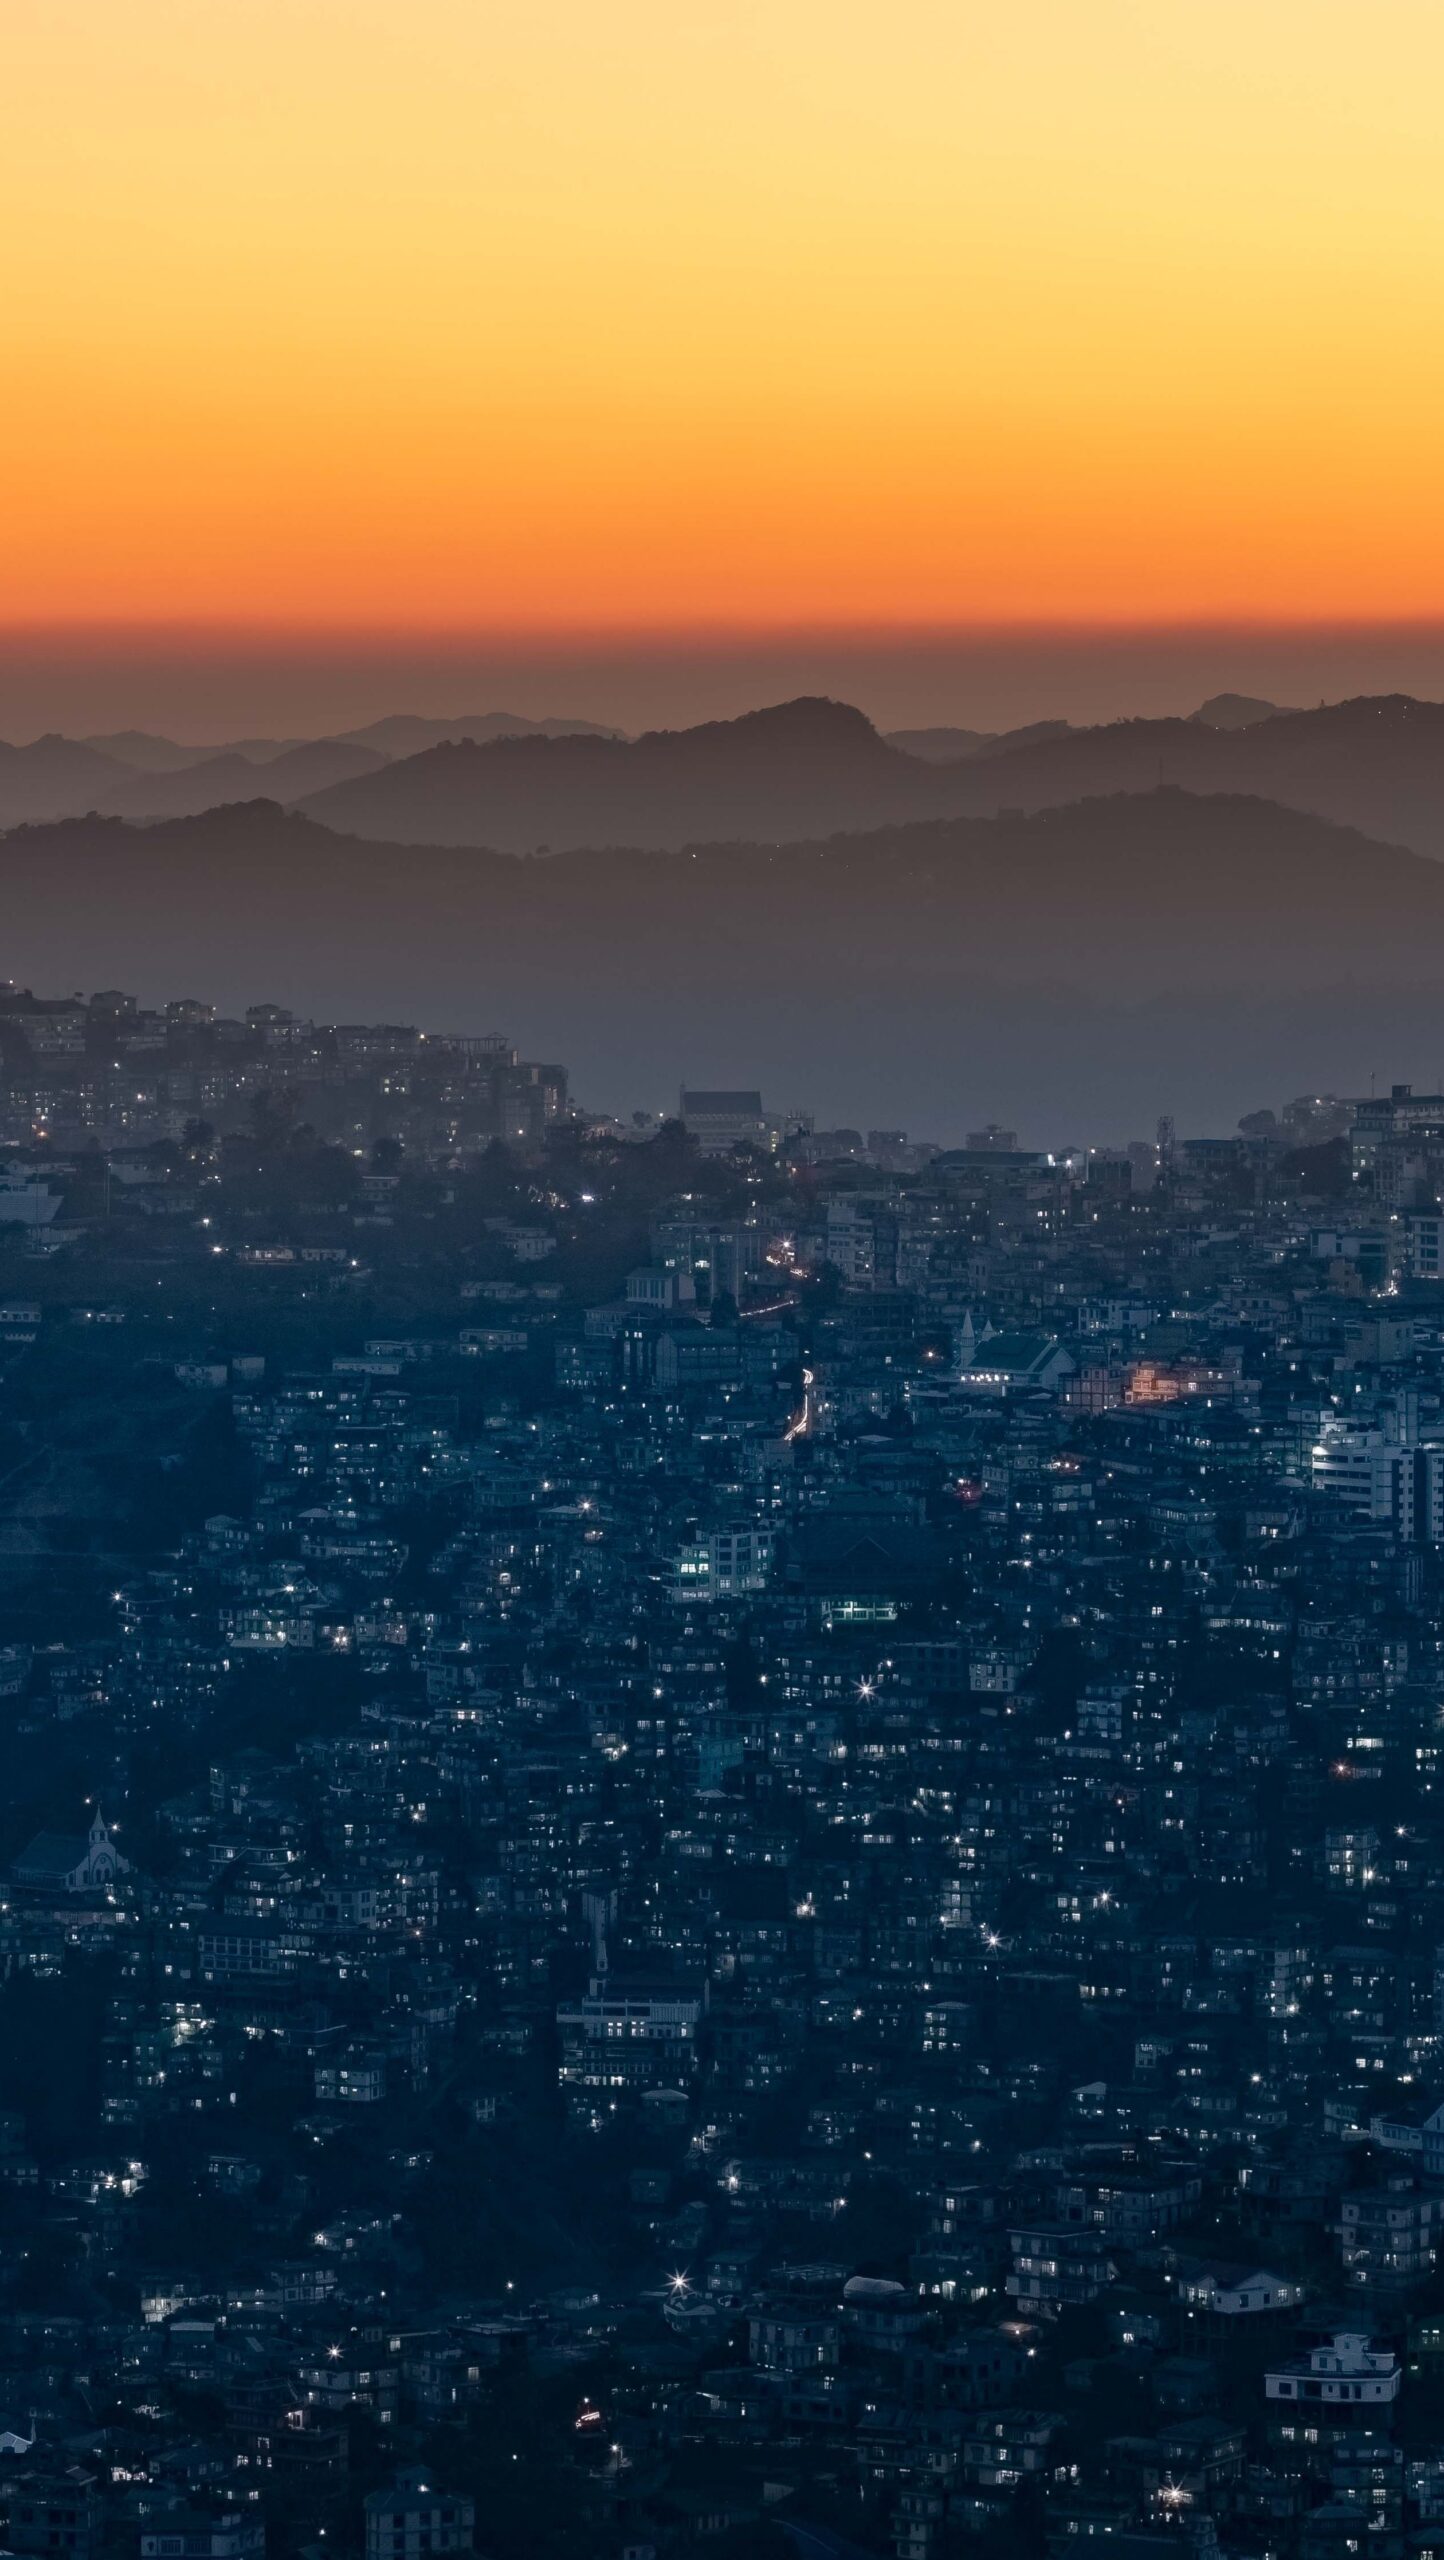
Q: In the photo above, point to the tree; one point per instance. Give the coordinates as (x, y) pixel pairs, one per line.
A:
(276, 1120)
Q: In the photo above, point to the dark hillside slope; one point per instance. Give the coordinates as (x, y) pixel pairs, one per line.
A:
(1111, 953)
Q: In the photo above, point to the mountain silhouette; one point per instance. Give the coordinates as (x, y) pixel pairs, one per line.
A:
(801, 768)
(54, 776)
(954, 746)
(1234, 711)
(1202, 950)
(1213, 891)
(401, 733)
(1376, 763)
(290, 775)
(145, 752)
(812, 767)
(941, 746)
(806, 768)
(408, 733)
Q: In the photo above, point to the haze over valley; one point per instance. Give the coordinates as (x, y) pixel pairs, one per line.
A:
(875, 930)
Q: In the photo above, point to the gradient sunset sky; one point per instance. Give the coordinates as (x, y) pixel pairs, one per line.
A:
(538, 317)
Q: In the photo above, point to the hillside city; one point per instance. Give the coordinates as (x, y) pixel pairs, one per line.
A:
(719, 1836)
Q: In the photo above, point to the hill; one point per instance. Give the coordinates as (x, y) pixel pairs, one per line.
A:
(1376, 763)
(1117, 951)
(940, 746)
(69, 767)
(145, 752)
(802, 768)
(1234, 711)
(408, 733)
(290, 774)
(799, 769)
(54, 776)
(1213, 891)
(954, 746)
(811, 767)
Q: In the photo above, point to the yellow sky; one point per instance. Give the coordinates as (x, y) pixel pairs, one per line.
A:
(536, 313)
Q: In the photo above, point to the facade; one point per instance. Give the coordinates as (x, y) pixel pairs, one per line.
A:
(626, 2034)
(188, 2536)
(720, 1121)
(1348, 2374)
(1055, 2268)
(413, 2520)
(1390, 2235)
(60, 1862)
(1240, 2293)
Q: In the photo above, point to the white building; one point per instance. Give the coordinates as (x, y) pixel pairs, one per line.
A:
(1419, 2134)
(1346, 2374)
(1382, 1476)
(1426, 1247)
(724, 1565)
(60, 1862)
(1238, 2292)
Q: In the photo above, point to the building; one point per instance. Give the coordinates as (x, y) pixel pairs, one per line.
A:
(1056, 2268)
(414, 2519)
(1016, 1364)
(722, 1120)
(626, 2034)
(1232, 2291)
(1390, 2235)
(52, 2512)
(64, 1862)
(1346, 2376)
(239, 2534)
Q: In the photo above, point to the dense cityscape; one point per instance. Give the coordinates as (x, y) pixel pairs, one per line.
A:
(718, 1835)
(721, 1281)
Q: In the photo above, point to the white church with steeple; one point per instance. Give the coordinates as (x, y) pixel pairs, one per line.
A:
(66, 1862)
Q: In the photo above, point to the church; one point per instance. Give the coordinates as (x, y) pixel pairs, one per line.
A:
(64, 1862)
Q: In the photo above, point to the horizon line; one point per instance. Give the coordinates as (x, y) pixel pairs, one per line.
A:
(718, 635)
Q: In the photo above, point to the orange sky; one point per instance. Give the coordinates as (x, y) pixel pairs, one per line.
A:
(536, 314)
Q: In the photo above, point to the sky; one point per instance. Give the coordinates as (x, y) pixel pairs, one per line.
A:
(537, 333)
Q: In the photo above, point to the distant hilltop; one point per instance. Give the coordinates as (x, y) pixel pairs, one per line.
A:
(954, 746)
(1235, 711)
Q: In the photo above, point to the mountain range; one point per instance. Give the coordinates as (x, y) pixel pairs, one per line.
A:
(406, 733)
(800, 769)
(400, 733)
(954, 746)
(136, 773)
(813, 767)
(1111, 950)
(1162, 887)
